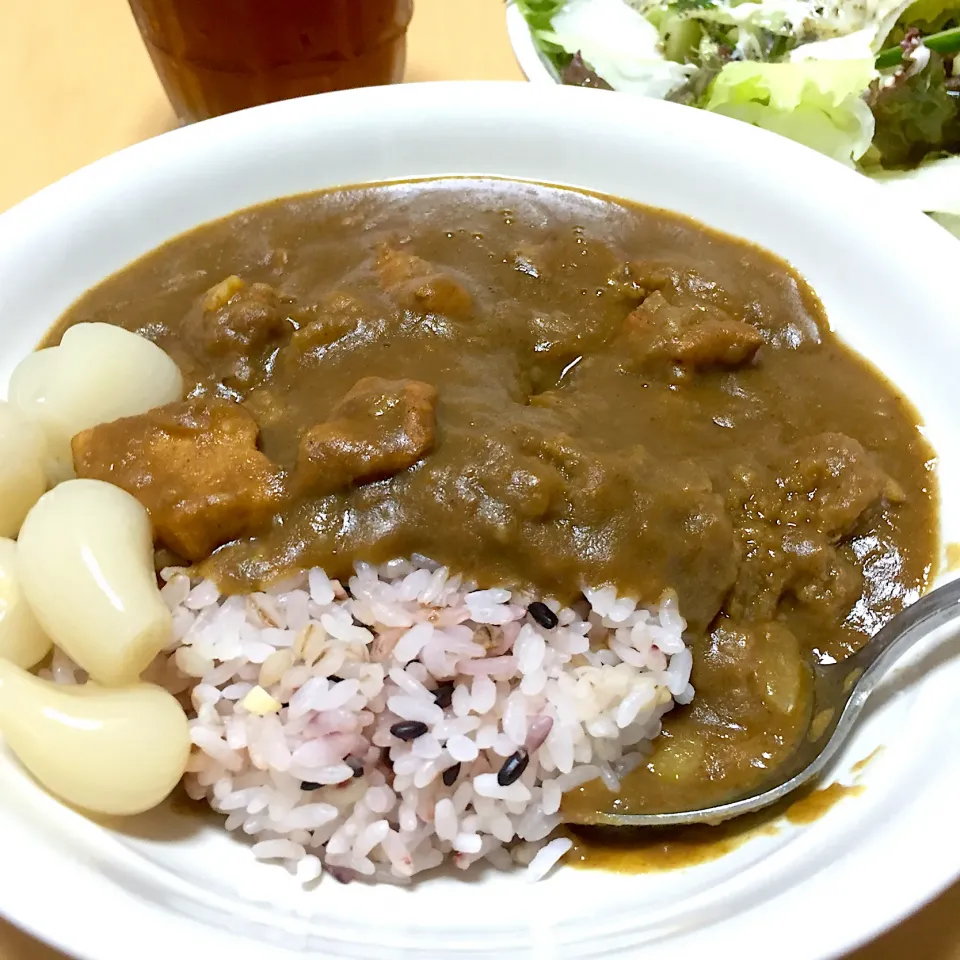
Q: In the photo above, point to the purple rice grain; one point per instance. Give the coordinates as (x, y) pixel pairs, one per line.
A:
(543, 615)
(409, 729)
(513, 768)
(443, 695)
(450, 775)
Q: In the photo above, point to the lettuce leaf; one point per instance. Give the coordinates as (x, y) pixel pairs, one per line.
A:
(817, 103)
(539, 16)
(931, 15)
(916, 115)
(539, 13)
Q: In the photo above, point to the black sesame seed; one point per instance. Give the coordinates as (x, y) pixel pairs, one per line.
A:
(543, 615)
(513, 768)
(309, 785)
(356, 765)
(450, 775)
(409, 729)
(443, 695)
(333, 678)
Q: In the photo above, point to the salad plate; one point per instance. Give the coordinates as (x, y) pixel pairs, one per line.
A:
(873, 84)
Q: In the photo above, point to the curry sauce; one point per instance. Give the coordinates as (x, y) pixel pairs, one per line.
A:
(545, 389)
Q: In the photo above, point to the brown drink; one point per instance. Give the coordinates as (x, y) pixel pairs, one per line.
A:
(215, 56)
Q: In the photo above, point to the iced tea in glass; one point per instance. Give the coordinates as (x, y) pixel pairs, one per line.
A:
(216, 56)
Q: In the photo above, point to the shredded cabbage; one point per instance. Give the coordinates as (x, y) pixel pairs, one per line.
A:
(817, 103)
(860, 45)
(622, 46)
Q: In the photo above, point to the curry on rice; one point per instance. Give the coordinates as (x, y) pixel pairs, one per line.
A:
(545, 390)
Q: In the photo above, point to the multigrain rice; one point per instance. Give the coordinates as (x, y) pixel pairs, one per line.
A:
(324, 782)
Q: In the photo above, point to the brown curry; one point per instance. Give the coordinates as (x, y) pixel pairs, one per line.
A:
(540, 388)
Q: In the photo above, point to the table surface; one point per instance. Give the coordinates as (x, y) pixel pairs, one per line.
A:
(76, 84)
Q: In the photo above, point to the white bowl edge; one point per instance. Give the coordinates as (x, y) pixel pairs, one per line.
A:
(60, 242)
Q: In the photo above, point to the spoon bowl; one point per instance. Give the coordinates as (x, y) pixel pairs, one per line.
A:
(840, 692)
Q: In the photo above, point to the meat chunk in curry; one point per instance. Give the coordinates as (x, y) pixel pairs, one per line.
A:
(544, 389)
(194, 465)
(694, 335)
(378, 429)
(792, 518)
(415, 284)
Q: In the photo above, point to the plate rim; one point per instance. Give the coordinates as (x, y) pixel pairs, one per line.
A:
(536, 68)
(10, 222)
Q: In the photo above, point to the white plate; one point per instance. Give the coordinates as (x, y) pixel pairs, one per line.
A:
(166, 887)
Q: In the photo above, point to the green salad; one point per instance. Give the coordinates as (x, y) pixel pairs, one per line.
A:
(872, 83)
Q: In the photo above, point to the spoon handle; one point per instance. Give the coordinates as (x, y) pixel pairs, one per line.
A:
(875, 658)
(864, 671)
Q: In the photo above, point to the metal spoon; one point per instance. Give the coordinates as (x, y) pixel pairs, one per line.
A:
(840, 691)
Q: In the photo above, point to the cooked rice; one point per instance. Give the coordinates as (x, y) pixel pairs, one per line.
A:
(584, 699)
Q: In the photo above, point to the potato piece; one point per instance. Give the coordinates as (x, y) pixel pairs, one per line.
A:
(677, 758)
(85, 556)
(98, 373)
(22, 641)
(116, 752)
(219, 295)
(779, 669)
(23, 449)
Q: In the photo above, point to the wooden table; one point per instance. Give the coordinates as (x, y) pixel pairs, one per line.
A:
(76, 84)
